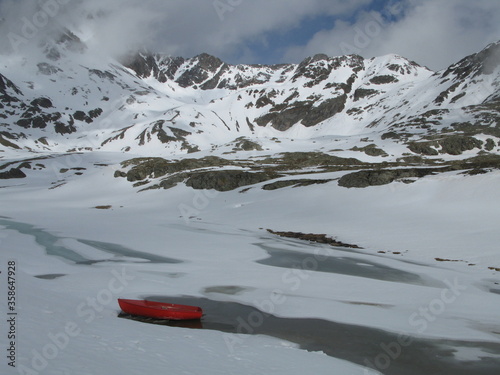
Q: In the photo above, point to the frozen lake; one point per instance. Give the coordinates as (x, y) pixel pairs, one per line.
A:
(387, 351)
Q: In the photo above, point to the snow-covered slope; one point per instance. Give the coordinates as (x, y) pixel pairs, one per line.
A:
(81, 239)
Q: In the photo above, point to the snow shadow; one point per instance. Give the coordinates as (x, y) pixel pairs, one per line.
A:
(52, 246)
(343, 265)
(357, 344)
(120, 250)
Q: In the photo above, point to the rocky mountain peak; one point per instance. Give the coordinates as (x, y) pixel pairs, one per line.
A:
(68, 40)
(312, 59)
(200, 70)
(146, 64)
(7, 84)
(208, 62)
(7, 91)
(483, 62)
(60, 42)
(319, 68)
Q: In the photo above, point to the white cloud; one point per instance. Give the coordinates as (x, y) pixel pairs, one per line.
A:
(186, 28)
(111, 26)
(432, 32)
(435, 33)
(225, 27)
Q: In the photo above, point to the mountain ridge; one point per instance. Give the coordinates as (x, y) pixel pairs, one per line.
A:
(61, 98)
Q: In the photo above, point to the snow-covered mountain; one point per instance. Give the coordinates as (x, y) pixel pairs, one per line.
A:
(63, 99)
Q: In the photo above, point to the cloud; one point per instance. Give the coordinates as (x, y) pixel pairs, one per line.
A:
(431, 32)
(225, 28)
(110, 26)
(435, 33)
(185, 28)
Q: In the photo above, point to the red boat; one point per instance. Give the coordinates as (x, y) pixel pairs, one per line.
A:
(160, 310)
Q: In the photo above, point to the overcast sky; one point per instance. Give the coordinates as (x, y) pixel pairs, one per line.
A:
(434, 33)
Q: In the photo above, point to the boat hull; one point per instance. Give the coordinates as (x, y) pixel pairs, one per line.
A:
(160, 310)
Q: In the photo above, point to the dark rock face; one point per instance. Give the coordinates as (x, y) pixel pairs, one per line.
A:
(315, 72)
(484, 62)
(196, 172)
(206, 173)
(95, 113)
(243, 144)
(160, 131)
(319, 67)
(324, 111)
(313, 237)
(62, 128)
(303, 112)
(5, 86)
(371, 150)
(452, 145)
(367, 178)
(88, 118)
(288, 117)
(294, 183)
(456, 145)
(31, 120)
(5, 142)
(146, 64)
(42, 102)
(424, 148)
(199, 72)
(290, 160)
(79, 116)
(363, 93)
(446, 93)
(490, 144)
(403, 69)
(489, 161)
(12, 173)
(35, 115)
(148, 167)
(382, 80)
(102, 74)
(220, 180)
(157, 167)
(226, 180)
